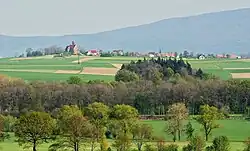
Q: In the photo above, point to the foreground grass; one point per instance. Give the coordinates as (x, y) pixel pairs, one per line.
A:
(236, 130)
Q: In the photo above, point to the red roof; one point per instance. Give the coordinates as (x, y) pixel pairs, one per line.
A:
(92, 51)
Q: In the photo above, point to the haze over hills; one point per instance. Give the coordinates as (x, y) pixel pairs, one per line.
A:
(220, 32)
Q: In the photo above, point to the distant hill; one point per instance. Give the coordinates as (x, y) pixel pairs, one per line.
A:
(227, 31)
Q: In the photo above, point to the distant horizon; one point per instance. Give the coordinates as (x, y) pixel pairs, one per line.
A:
(28, 18)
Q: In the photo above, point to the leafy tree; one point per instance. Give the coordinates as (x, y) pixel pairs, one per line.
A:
(74, 80)
(122, 143)
(177, 113)
(126, 76)
(189, 130)
(3, 134)
(34, 128)
(98, 114)
(125, 116)
(207, 118)
(172, 128)
(9, 122)
(74, 132)
(141, 133)
(220, 143)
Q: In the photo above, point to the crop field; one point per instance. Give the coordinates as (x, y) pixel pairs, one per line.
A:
(236, 130)
(104, 68)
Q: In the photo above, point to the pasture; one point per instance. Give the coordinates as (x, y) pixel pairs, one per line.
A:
(104, 68)
(236, 130)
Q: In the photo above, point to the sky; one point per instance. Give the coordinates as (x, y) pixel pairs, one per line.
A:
(64, 17)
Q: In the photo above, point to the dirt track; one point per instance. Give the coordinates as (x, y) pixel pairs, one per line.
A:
(241, 75)
(100, 71)
(117, 65)
(67, 71)
(235, 68)
(85, 59)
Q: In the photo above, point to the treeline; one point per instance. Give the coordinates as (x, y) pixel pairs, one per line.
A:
(89, 128)
(148, 98)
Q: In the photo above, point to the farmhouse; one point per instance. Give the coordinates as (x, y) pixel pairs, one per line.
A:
(118, 52)
(93, 52)
(201, 57)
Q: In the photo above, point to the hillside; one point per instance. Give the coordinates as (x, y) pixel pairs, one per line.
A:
(215, 32)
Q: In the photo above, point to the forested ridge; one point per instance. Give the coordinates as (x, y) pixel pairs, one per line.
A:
(150, 86)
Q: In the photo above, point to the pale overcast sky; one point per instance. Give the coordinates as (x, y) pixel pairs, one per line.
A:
(59, 17)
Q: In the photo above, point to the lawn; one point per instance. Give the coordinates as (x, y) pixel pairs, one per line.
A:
(31, 76)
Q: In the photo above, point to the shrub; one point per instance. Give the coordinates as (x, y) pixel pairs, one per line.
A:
(148, 147)
(220, 143)
(172, 147)
(74, 80)
(196, 143)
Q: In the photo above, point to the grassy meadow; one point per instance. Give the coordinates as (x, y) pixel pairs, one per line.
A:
(236, 130)
(44, 68)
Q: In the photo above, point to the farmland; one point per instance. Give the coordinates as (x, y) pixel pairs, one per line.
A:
(104, 68)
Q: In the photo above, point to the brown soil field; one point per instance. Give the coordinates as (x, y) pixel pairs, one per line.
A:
(235, 68)
(241, 75)
(99, 71)
(117, 65)
(85, 59)
(67, 71)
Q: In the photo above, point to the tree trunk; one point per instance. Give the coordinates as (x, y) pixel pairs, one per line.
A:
(76, 146)
(179, 135)
(34, 145)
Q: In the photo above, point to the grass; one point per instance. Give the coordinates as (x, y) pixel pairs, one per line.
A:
(214, 66)
(32, 76)
(236, 130)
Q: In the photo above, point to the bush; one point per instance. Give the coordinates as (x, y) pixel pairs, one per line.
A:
(74, 80)
(148, 147)
(196, 143)
(172, 147)
(247, 145)
(220, 143)
(9, 122)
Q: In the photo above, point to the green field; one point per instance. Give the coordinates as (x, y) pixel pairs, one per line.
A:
(44, 68)
(236, 130)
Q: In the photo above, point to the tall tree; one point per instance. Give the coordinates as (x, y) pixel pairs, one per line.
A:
(34, 128)
(207, 118)
(76, 129)
(177, 113)
(141, 133)
(98, 114)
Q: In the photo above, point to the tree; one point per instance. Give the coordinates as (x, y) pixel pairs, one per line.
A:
(122, 143)
(76, 129)
(177, 113)
(208, 116)
(220, 143)
(172, 128)
(126, 76)
(34, 128)
(141, 133)
(189, 130)
(98, 114)
(125, 116)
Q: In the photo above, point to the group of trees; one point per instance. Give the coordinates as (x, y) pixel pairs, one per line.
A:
(160, 69)
(74, 128)
(17, 96)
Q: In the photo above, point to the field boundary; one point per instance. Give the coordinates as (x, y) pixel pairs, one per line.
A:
(99, 71)
(240, 75)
